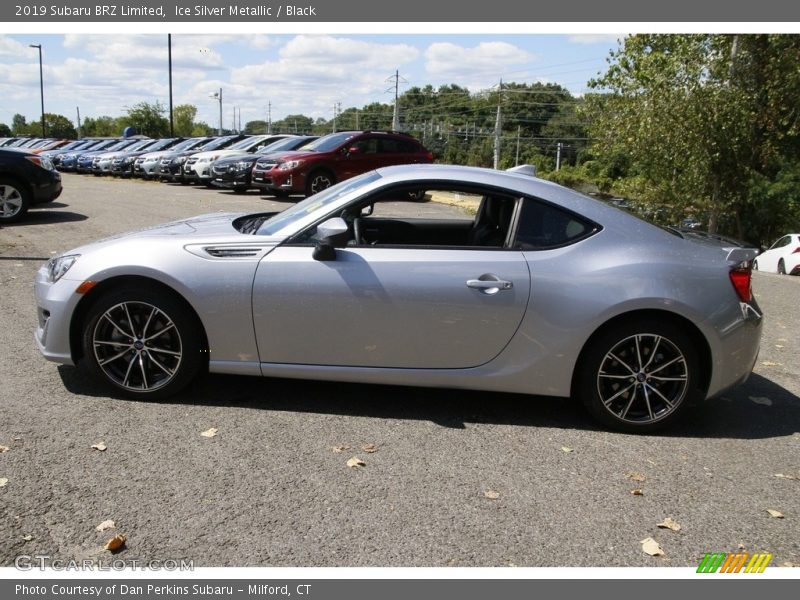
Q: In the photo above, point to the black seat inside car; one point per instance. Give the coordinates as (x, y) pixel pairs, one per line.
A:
(492, 222)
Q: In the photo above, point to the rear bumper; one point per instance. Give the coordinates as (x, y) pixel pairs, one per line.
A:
(735, 348)
(47, 188)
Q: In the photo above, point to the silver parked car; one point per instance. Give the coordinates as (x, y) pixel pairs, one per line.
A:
(543, 291)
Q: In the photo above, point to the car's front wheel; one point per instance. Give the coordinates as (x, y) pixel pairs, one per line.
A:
(639, 376)
(318, 181)
(142, 342)
(14, 201)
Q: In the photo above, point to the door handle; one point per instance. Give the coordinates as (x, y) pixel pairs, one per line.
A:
(489, 286)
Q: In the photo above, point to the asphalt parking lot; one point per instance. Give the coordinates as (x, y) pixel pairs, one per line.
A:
(273, 487)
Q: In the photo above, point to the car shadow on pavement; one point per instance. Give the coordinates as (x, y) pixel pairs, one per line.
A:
(48, 217)
(758, 409)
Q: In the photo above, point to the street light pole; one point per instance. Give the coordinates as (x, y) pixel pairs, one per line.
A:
(169, 60)
(41, 84)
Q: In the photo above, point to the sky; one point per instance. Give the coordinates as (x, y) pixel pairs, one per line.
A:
(298, 74)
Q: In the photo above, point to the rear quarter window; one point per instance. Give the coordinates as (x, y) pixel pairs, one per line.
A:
(543, 226)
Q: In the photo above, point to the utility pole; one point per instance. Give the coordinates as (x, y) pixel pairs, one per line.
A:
(233, 124)
(78, 109)
(498, 124)
(396, 116)
(240, 119)
(41, 83)
(558, 156)
(357, 120)
(516, 161)
(169, 60)
(334, 117)
(269, 118)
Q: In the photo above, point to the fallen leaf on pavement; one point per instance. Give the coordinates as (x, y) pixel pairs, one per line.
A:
(635, 476)
(356, 462)
(764, 401)
(637, 492)
(99, 446)
(651, 547)
(491, 494)
(668, 523)
(115, 543)
(4, 449)
(789, 564)
(3, 481)
(209, 433)
(109, 524)
(340, 449)
(27, 538)
(369, 448)
(566, 449)
(769, 363)
(782, 476)
(778, 345)
(775, 514)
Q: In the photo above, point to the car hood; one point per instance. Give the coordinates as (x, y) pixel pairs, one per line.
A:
(218, 153)
(158, 154)
(296, 155)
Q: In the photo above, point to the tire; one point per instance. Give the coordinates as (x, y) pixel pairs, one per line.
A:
(239, 190)
(278, 193)
(318, 181)
(624, 394)
(127, 354)
(781, 267)
(15, 200)
(755, 265)
(417, 196)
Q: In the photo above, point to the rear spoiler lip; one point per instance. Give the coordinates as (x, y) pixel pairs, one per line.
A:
(741, 255)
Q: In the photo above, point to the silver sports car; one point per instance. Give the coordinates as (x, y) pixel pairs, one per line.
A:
(538, 290)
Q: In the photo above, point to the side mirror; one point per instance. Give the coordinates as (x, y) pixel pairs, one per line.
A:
(330, 235)
(367, 210)
(354, 150)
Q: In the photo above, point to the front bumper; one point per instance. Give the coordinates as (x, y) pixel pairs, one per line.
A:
(55, 304)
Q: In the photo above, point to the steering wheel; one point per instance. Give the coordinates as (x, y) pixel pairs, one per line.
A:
(357, 231)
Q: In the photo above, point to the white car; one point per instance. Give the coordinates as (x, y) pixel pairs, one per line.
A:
(782, 257)
(147, 165)
(198, 166)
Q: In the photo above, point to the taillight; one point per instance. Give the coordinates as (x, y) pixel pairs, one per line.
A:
(430, 156)
(796, 250)
(740, 278)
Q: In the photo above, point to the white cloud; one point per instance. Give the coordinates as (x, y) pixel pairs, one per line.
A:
(487, 59)
(13, 48)
(597, 38)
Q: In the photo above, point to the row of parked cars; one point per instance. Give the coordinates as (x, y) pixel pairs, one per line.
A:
(280, 165)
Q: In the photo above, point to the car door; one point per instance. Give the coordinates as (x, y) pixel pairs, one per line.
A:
(391, 307)
(365, 158)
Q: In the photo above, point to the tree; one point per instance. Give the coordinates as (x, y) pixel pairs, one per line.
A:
(701, 118)
(5, 130)
(148, 119)
(104, 126)
(183, 119)
(59, 126)
(18, 124)
(202, 129)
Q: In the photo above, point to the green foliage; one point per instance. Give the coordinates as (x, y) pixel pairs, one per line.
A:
(100, 127)
(202, 129)
(5, 130)
(183, 117)
(19, 125)
(704, 123)
(59, 126)
(147, 118)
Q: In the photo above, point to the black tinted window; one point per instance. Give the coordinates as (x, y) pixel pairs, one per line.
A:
(544, 226)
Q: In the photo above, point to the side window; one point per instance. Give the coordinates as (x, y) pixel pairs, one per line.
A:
(542, 226)
(784, 241)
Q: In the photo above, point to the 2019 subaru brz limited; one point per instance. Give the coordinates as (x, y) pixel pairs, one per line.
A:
(544, 291)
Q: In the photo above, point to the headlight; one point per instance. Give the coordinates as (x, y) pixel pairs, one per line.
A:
(128, 160)
(41, 161)
(289, 165)
(58, 265)
(243, 166)
(179, 160)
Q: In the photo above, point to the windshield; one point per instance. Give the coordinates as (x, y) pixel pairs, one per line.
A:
(246, 143)
(314, 203)
(284, 144)
(141, 145)
(329, 142)
(216, 143)
(187, 144)
(161, 144)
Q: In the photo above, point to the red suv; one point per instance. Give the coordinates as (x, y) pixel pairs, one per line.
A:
(333, 158)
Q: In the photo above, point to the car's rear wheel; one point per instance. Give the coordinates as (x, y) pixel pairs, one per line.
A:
(318, 181)
(14, 200)
(142, 342)
(239, 190)
(639, 376)
(781, 267)
(755, 265)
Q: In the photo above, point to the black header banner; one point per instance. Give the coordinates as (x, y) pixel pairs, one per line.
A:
(441, 11)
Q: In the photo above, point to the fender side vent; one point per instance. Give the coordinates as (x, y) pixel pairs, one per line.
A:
(232, 251)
